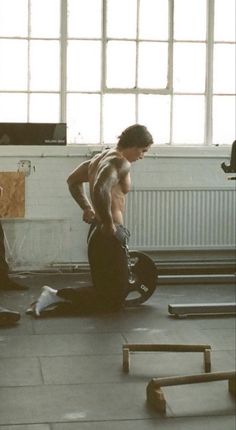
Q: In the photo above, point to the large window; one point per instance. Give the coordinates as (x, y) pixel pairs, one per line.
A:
(103, 65)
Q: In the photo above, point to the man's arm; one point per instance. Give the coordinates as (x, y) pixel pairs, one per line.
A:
(75, 183)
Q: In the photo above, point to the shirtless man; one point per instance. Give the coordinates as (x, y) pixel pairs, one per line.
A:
(108, 175)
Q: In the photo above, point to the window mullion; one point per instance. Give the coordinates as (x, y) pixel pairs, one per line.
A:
(170, 65)
(137, 62)
(63, 62)
(103, 67)
(209, 71)
(28, 65)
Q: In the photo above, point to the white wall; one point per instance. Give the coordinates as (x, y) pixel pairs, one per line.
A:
(52, 231)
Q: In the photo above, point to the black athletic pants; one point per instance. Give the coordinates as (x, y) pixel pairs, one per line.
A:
(109, 272)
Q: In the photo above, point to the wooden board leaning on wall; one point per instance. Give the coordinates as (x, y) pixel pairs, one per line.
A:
(12, 195)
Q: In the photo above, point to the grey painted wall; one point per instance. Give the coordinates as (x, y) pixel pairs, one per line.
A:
(53, 232)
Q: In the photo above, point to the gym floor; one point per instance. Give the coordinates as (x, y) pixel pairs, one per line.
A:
(65, 372)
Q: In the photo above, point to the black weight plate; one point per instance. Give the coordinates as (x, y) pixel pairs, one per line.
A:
(143, 278)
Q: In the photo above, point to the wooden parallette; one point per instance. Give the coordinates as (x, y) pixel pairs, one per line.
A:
(155, 395)
(127, 348)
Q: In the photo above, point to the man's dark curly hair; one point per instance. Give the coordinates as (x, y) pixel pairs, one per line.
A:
(135, 135)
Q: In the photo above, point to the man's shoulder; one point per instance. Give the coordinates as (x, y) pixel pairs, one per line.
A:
(109, 159)
(116, 159)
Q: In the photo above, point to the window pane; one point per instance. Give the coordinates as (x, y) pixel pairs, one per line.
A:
(45, 18)
(224, 119)
(13, 67)
(7, 113)
(121, 18)
(188, 119)
(84, 18)
(84, 66)
(83, 118)
(119, 113)
(189, 67)
(154, 112)
(225, 20)
(44, 108)
(224, 68)
(121, 64)
(190, 19)
(153, 60)
(44, 65)
(14, 23)
(153, 19)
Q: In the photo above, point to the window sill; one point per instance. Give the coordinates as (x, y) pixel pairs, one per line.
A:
(162, 151)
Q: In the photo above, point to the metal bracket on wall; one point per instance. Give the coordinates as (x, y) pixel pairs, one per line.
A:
(24, 166)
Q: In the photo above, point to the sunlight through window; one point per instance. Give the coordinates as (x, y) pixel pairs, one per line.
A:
(100, 65)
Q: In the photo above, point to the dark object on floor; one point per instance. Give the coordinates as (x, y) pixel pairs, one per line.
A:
(8, 284)
(8, 317)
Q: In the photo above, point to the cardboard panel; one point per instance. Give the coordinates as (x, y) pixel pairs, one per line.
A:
(12, 195)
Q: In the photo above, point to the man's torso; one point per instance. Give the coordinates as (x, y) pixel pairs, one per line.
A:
(118, 191)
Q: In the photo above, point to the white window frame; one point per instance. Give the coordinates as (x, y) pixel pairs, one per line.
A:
(208, 94)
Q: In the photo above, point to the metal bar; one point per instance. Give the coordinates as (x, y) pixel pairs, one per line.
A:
(202, 308)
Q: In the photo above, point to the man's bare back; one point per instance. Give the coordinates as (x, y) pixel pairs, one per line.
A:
(109, 173)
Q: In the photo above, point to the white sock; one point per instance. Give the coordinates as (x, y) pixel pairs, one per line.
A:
(48, 297)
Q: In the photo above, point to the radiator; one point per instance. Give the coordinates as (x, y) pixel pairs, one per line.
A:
(181, 219)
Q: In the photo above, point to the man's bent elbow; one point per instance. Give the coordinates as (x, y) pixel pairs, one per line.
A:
(71, 186)
(71, 183)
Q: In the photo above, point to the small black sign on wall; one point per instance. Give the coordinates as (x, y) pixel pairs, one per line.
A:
(19, 133)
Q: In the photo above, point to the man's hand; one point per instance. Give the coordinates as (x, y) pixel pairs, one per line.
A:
(89, 215)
